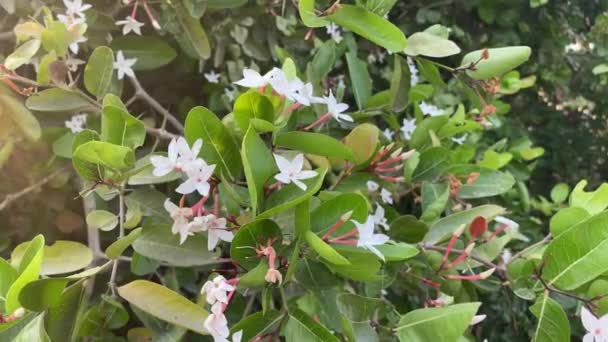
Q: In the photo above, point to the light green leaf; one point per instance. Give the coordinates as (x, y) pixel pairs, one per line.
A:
(259, 166)
(119, 246)
(447, 225)
(98, 71)
(7, 276)
(488, 183)
(193, 31)
(29, 269)
(302, 328)
(33, 331)
(257, 324)
(102, 220)
(560, 192)
(500, 61)
(436, 324)
(371, 26)
(249, 236)
(434, 199)
(22, 55)
(433, 163)
(553, 324)
(121, 128)
(55, 38)
(400, 84)
(430, 45)
(59, 258)
(330, 211)
(600, 69)
(61, 319)
(150, 52)
(105, 154)
(252, 105)
(219, 147)
(57, 100)
(20, 116)
(566, 218)
(166, 305)
(307, 13)
(594, 202)
(361, 82)
(324, 250)
(363, 141)
(315, 143)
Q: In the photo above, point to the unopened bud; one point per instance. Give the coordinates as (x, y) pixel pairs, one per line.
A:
(346, 216)
(408, 154)
(459, 230)
(485, 54)
(487, 274)
(18, 313)
(397, 152)
(469, 248)
(155, 24)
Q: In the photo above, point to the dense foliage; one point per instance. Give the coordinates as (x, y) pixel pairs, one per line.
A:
(370, 170)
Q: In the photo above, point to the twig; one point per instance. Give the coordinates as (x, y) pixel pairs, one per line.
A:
(161, 133)
(7, 35)
(10, 198)
(588, 302)
(121, 233)
(460, 251)
(141, 93)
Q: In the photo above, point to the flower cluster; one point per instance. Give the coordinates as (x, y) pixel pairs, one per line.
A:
(218, 293)
(130, 23)
(76, 123)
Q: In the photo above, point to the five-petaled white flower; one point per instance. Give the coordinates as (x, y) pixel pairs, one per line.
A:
(388, 134)
(198, 180)
(252, 79)
(76, 123)
(180, 157)
(336, 109)
(430, 109)
(379, 218)
(181, 218)
(217, 290)
(124, 66)
(130, 25)
(216, 323)
(367, 238)
(280, 84)
(512, 228)
(237, 336)
(76, 8)
(230, 93)
(597, 328)
(212, 77)
(334, 31)
(216, 231)
(460, 140)
(408, 128)
(291, 171)
(303, 93)
(372, 186)
(386, 196)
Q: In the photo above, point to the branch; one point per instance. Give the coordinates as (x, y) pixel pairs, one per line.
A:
(161, 133)
(141, 94)
(10, 35)
(478, 259)
(10, 198)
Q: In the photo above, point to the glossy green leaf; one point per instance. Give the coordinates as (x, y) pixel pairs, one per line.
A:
(314, 275)
(436, 324)
(102, 220)
(488, 183)
(252, 105)
(447, 225)
(59, 258)
(257, 324)
(250, 236)
(330, 211)
(500, 61)
(361, 82)
(358, 308)
(421, 138)
(324, 250)
(167, 305)
(98, 71)
(430, 45)
(193, 31)
(33, 332)
(408, 229)
(578, 255)
(363, 141)
(259, 166)
(361, 267)
(566, 218)
(150, 52)
(13, 110)
(22, 55)
(371, 26)
(121, 128)
(85, 169)
(307, 13)
(219, 147)
(433, 163)
(8, 274)
(57, 100)
(553, 324)
(119, 246)
(594, 202)
(29, 269)
(315, 143)
(105, 154)
(302, 328)
(61, 319)
(400, 84)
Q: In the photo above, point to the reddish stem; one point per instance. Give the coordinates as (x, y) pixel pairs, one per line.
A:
(291, 108)
(496, 232)
(333, 228)
(318, 122)
(134, 11)
(347, 235)
(344, 242)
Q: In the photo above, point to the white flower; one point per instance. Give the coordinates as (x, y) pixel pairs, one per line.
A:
(237, 336)
(73, 63)
(597, 329)
(409, 126)
(198, 180)
(334, 31)
(76, 123)
(70, 21)
(372, 186)
(217, 290)
(336, 109)
(371, 58)
(379, 218)
(512, 228)
(230, 93)
(414, 79)
(217, 324)
(388, 134)
(181, 218)
(279, 82)
(460, 140)
(179, 157)
(217, 231)
(386, 196)
(212, 77)
(291, 171)
(303, 93)
(429, 109)
(506, 256)
(367, 238)
(130, 24)
(76, 8)
(124, 65)
(74, 45)
(252, 79)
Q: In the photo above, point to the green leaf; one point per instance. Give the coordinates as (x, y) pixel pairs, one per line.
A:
(302, 328)
(85, 169)
(256, 277)
(193, 31)
(371, 26)
(150, 201)
(447, 225)
(29, 269)
(500, 61)
(105, 154)
(361, 82)
(324, 250)
(314, 275)
(600, 69)
(20, 116)
(392, 251)
(566, 218)
(358, 308)
(433, 163)
(150, 52)
(7, 276)
(166, 305)
(434, 199)
(259, 166)
(102, 220)
(421, 138)
(400, 84)
(219, 147)
(33, 331)
(553, 324)
(363, 141)
(290, 195)
(560, 192)
(307, 13)
(119, 246)
(145, 175)
(249, 236)
(57, 100)
(41, 294)
(430, 45)
(252, 105)
(55, 38)
(157, 242)
(330, 211)
(315, 143)
(61, 319)
(257, 324)
(10, 330)
(323, 61)
(408, 229)
(361, 268)
(59, 258)
(98, 71)
(121, 128)
(578, 255)
(22, 55)
(494, 160)
(594, 202)
(488, 183)
(436, 324)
